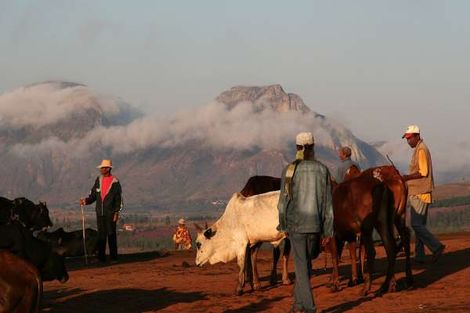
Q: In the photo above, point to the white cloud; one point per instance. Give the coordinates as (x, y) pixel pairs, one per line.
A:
(39, 105)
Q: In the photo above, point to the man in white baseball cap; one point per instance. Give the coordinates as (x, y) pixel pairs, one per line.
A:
(420, 183)
(305, 215)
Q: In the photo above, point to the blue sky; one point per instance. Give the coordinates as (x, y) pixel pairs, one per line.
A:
(376, 66)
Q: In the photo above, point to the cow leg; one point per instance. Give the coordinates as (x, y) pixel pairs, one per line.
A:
(241, 273)
(334, 278)
(386, 233)
(400, 223)
(248, 267)
(362, 260)
(285, 260)
(370, 250)
(276, 256)
(352, 252)
(256, 285)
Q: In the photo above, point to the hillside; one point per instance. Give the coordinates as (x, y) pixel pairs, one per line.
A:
(53, 134)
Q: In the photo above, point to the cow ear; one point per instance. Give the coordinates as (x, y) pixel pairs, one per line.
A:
(209, 233)
(198, 228)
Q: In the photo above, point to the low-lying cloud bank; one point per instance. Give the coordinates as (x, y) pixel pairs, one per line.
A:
(213, 125)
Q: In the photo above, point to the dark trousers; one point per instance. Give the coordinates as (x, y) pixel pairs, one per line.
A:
(304, 247)
(106, 233)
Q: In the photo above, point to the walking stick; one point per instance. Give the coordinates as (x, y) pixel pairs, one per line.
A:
(84, 234)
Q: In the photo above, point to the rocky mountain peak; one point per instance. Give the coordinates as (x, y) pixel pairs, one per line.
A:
(266, 97)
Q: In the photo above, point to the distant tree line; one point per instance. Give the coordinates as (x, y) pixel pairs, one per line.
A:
(451, 202)
(451, 221)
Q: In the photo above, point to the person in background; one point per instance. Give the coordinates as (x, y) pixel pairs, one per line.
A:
(305, 215)
(347, 166)
(182, 237)
(346, 169)
(420, 183)
(107, 194)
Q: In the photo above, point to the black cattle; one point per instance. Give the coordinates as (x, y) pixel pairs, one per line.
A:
(19, 240)
(70, 244)
(20, 285)
(32, 216)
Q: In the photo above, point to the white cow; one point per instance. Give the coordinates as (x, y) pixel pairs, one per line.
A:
(246, 221)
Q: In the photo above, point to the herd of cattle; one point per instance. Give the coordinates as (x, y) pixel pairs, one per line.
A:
(30, 255)
(374, 199)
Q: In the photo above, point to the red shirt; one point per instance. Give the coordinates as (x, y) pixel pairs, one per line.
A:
(106, 185)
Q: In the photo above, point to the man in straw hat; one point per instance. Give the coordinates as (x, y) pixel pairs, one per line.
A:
(182, 237)
(420, 183)
(106, 192)
(305, 215)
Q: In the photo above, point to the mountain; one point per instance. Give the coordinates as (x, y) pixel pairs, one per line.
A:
(53, 134)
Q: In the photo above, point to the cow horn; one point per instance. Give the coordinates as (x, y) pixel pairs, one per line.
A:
(198, 228)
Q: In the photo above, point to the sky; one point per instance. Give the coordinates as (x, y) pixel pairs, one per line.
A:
(375, 66)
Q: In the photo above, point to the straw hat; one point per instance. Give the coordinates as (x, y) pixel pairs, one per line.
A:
(181, 221)
(105, 163)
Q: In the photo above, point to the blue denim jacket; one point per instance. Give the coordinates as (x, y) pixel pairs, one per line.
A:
(311, 209)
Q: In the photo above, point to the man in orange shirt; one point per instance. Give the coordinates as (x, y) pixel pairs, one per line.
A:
(420, 183)
(106, 192)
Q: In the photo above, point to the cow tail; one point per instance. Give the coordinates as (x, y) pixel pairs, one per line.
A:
(37, 307)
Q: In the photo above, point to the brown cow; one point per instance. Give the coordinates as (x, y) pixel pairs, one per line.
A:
(360, 205)
(20, 285)
(394, 181)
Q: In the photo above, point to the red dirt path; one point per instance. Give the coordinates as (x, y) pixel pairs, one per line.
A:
(149, 283)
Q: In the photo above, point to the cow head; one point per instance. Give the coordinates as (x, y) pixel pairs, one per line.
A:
(205, 244)
(43, 217)
(33, 216)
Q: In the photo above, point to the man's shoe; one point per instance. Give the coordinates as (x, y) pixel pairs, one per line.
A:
(438, 254)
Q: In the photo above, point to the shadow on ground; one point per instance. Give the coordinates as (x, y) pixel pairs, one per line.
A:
(260, 306)
(448, 264)
(79, 262)
(118, 300)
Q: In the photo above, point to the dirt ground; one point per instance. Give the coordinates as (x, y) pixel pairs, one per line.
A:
(154, 283)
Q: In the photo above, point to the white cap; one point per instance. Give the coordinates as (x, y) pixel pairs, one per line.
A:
(181, 221)
(303, 139)
(412, 129)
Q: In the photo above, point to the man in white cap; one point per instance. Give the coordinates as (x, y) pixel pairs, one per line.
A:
(107, 194)
(420, 183)
(181, 236)
(305, 215)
